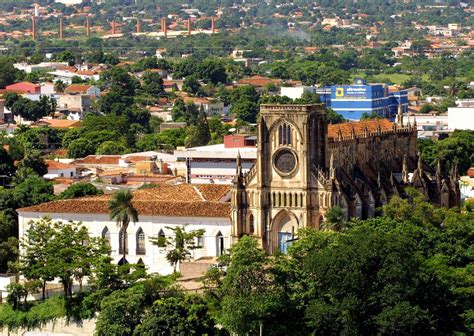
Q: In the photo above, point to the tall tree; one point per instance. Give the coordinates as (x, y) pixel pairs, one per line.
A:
(122, 211)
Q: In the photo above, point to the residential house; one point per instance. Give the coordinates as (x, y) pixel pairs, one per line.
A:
(24, 87)
(83, 89)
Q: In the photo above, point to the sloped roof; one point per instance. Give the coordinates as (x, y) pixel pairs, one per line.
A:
(57, 123)
(55, 165)
(82, 88)
(99, 159)
(359, 127)
(183, 200)
(258, 81)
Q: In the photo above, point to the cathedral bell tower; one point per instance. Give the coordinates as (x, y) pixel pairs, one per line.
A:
(279, 195)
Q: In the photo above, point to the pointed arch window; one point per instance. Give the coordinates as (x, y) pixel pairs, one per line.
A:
(106, 236)
(251, 224)
(140, 238)
(161, 239)
(284, 134)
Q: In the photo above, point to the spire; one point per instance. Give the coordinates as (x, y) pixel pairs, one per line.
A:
(400, 116)
(455, 174)
(392, 180)
(438, 173)
(239, 165)
(420, 164)
(332, 169)
(405, 169)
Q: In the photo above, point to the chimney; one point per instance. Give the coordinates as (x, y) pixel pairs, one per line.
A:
(189, 26)
(164, 26)
(213, 25)
(61, 28)
(88, 26)
(139, 28)
(33, 27)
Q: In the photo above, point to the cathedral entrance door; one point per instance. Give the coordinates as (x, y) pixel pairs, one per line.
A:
(284, 227)
(284, 241)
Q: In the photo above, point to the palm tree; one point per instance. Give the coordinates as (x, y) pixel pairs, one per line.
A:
(334, 219)
(59, 86)
(122, 210)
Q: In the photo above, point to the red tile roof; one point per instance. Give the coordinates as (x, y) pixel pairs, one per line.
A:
(55, 165)
(259, 81)
(182, 200)
(99, 159)
(359, 128)
(77, 88)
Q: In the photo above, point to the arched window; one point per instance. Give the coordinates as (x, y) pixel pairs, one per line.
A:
(123, 244)
(140, 238)
(284, 135)
(161, 242)
(220, 248)
(106, 236)
(251, 225)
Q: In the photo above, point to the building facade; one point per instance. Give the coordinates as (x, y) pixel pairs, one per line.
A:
(304, 168)
(352, 101)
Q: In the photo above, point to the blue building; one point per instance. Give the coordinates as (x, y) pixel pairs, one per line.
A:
(352, 101)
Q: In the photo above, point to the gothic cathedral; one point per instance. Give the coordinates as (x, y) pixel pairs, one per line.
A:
(304, 168)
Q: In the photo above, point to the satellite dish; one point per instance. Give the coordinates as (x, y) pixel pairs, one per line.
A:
(232, 130)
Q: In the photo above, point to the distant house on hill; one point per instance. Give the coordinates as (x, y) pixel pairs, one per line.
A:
(86, 89)
(24, 87)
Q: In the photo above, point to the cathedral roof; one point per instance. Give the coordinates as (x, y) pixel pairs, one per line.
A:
(180, 200)
(359, 128)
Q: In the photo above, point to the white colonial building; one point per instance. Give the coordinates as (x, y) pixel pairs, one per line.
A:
(160, 209)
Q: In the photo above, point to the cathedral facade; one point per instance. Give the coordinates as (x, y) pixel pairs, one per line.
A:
(305, 167)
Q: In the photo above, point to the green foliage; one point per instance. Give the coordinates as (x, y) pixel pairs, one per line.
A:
(180, 315)
(80, 148)
(191, 85)
(33, 190)
(33, 110)
(167, 139)
(6, 162)
(38, 138)
(110, 148)
(120, 313)
(334, 219)
(458, 149)
(250, 296)
(152, 83)
(58, 250)
(200, 134)
(35, 162)
(244, 100)
(8, 73)
(80, 189)
(39, 314)
(179, 245)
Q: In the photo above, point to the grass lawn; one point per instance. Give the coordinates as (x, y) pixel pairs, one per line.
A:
(396, 78)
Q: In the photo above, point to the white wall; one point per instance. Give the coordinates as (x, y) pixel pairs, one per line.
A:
(295, 92)
(155, 257)
(461, 118)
